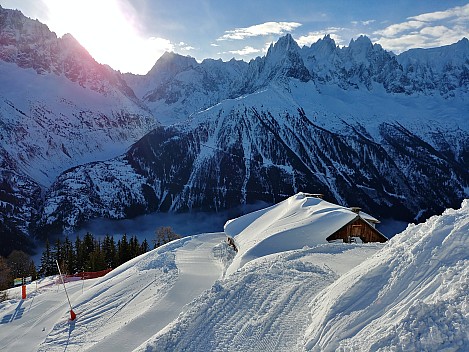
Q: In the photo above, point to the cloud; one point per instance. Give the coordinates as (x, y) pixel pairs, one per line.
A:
(313, 37)
(262, 29)
(397, 29)
(455, 12)
(247, 50)
(364, 23)
(426, 30)
(185, 47)
(368, 22)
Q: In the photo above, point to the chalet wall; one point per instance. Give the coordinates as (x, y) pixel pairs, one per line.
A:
(358, 228)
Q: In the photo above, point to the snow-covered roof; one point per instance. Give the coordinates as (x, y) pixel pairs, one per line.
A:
(301, 220)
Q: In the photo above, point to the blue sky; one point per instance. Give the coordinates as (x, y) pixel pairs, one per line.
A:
(131, 35)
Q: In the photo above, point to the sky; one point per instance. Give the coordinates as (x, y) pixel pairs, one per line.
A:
(130, 35)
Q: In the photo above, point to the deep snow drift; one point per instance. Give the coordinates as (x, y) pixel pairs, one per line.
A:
(412, 294)
(408, 294)
(299, 221)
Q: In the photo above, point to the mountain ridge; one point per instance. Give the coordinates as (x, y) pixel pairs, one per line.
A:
(58, 108)
(357, 123)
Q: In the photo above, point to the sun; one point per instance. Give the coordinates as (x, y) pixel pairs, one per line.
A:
(108, 29)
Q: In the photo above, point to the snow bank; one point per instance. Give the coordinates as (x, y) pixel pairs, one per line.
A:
(139, 298)
(412, 295)
(301, 220)
(263, 306)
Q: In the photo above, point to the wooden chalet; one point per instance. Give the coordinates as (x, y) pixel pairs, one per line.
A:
(361, 227)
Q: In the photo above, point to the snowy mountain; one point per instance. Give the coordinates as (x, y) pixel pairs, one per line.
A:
(443, 69)
(408, 293)
(358, 148)
(58, 108)
(359, 124)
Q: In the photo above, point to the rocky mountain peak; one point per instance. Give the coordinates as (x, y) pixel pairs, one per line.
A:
(361, 49)
(284, 59)
(283, 45)
(172, 64)
(324, 45)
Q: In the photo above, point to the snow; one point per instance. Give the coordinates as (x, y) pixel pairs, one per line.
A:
(412, 294)
(299, 221)
(292, 291)
(50, 123)
(25, 324)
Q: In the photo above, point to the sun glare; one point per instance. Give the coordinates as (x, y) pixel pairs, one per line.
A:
(107, 30)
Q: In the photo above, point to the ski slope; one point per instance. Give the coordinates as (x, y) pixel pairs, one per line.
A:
(24, 324)
(262, 307)
(408, 294)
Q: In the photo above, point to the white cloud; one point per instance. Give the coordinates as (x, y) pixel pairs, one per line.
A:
(364, 23)
(426, 30)
(313, 37)
(368, 22)
(185, 47)
(398, 28)
(455, 12)
(247, 50)
(436, 31)
(262, 29)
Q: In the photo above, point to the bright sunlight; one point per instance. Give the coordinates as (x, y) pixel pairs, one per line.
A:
(107, 29)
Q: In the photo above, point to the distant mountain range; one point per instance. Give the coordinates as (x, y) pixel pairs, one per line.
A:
(361, 125)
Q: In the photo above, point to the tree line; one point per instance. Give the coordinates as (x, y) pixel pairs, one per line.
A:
(89, 254)
(82, 254)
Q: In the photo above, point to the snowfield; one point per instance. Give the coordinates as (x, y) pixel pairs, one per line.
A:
(198, 294)
(412, 294)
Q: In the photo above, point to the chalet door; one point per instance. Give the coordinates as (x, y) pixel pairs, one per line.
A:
(356, 231)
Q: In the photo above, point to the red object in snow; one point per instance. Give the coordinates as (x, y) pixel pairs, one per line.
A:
(23, 292)
(73, 316)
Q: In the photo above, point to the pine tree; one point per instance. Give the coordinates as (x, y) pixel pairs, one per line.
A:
(88, 248)
(123, 250)
(109, 251)
(96, 260)
(144, 246)
(79, 255)
(69, 256)
(58, 255)
(134, 247)
(48, 266)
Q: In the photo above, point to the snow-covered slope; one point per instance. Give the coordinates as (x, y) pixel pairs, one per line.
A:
(410, 292)
(438, 69)
(58, 108)
(358, 148)
(299, 221)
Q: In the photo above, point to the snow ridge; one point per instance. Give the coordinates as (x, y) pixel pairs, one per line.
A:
(413, 293)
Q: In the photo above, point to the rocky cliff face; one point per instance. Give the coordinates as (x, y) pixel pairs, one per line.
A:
(259, 148)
